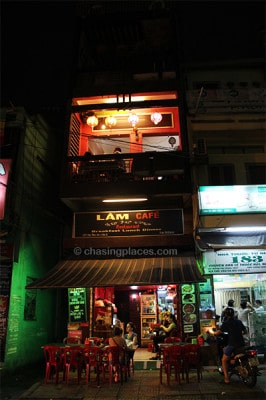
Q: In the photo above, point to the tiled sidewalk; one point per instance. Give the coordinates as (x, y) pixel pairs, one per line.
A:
(145, 385)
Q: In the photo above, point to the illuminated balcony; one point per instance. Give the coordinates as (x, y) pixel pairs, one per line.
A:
(157, 174)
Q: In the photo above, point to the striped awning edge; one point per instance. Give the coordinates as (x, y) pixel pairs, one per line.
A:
(118, 272)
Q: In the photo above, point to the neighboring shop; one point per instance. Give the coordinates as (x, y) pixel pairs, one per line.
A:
(232, 242)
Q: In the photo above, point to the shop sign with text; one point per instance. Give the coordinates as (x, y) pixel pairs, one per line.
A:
(235, 261)
(237, 199)
(129, 223)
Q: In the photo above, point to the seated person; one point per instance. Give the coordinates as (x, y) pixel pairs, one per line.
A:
(131, 339)
(119, 341)
(167, 331)
(120, 161)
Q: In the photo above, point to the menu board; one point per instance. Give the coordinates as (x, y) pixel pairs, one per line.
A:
(206, 302)
(77, 305)
(188, 296)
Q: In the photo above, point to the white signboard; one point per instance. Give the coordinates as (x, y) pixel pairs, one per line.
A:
(236, 199)
(234, 261)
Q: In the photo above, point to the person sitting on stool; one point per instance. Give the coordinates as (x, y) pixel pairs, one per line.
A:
(170, 330)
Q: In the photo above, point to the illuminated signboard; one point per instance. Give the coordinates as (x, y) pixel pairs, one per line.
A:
(77, 305)
(129, 223)
(238, 199)
(234, 261)
(4, 172)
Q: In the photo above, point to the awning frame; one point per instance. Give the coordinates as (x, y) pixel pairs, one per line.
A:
(120, 272)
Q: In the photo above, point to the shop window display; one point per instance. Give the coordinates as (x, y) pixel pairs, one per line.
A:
(257, 331)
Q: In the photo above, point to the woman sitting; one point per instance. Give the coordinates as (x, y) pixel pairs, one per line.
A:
(119, 341)
(131, 337)
(167, 331)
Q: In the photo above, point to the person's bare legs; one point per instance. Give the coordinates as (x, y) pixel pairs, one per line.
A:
(225, 360)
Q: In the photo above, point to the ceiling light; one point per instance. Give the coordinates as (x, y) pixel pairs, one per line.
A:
(156, 118)
(125, 200)
(92, 121)
(239, 229)
(110, 121)
(133, 119)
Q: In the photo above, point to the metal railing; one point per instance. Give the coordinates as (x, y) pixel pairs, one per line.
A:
(130, 167)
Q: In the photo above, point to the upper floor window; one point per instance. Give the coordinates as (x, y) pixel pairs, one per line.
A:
(256, 173)
(221, 174)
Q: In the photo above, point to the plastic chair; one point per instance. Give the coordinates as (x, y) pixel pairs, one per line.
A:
(97, 341)
(53, 362)
(72, 340)
(169, 339)
(172, 339)
(174, 332)
(117, 364)
(73, 358)
(192, 358)
(93, 358)
(172, 359)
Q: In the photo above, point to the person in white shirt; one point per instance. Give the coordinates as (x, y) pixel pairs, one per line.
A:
(243, 312)
(258, 306)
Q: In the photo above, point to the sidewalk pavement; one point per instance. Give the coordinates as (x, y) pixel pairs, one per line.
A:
(144, 385)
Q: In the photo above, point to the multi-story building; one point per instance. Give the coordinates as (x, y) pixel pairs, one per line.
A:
(130, 71)
(179, 125)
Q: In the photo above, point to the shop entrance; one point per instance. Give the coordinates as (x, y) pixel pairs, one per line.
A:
(244, 287)
(144, 305)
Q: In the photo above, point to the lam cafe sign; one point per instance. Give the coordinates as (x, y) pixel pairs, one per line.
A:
(234, 262)
(129, 223)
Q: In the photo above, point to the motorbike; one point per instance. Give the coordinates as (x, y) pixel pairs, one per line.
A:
(243, 363)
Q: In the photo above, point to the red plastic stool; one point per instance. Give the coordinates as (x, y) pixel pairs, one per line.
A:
(150, 346)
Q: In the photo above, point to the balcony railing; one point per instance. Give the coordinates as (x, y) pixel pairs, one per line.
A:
(150, 166)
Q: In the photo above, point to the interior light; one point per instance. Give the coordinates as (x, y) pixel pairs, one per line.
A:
(245, 229)
(133, 119)
(92, 121)
(156, 117)
(110, 121)
(125, 200)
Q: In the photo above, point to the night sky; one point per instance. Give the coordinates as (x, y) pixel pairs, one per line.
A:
(37, 52)
(39, 42)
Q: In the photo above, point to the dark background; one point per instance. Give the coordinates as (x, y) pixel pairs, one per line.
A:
(39, 42)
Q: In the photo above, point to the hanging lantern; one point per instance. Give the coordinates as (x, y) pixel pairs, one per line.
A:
(133, 119)
(110, 121)
(92, 121)
(156, 117)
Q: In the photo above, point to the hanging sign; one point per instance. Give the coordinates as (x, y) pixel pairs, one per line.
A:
(237, 199)
(234, 261)
(129, 223)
